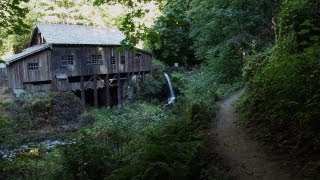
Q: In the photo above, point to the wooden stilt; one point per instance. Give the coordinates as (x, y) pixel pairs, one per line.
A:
(119, 90)
(83, 96)
(126, 96)
(139, 83)
(107, 100)
(143, 78)
(95, 91)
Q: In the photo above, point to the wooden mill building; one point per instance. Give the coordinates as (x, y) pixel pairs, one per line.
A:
(82, 59)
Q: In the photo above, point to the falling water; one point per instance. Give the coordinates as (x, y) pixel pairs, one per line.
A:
(172, 97)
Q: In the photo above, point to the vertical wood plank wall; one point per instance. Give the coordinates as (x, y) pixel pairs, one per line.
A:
(132, 64)
(50, 64)
(3, 72)
(18, 72)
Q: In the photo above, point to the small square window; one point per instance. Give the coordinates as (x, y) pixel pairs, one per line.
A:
(123, 59)
(94, 59)
(113, 60)
(33, 66)
(67, 60)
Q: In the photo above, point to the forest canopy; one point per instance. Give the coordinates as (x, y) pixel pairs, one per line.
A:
(269, 48)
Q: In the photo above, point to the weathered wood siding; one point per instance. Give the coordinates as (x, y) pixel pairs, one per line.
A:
(37, 88)
(50, 64)
(81, 68)
(3, 72)
(18, 73)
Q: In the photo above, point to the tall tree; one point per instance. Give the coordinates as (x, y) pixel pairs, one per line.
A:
(134, 23)
(225, 31)
(284, 91)
(81, 12)
(11, 20)
(12, 15)
(169, 38)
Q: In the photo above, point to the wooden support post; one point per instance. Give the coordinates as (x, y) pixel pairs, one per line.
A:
(107, 99)
(139, 83)
(127, 87)
(143, 77)
(119, 89)
(83, 96)
(95, 91)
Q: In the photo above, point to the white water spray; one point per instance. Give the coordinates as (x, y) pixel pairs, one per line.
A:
(172, 97)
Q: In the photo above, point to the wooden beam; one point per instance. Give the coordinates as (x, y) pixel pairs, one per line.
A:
(107, 99)
(127, 86)
(95, 91)
(139, 83)
(119, 89)
(83, 96)
(143, 77)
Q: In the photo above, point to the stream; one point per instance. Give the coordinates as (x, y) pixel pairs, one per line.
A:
(8, 154)
(47, 145)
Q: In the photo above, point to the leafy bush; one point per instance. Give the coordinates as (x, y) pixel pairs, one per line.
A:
(32, 112)
(282, 98)
(5, 129)
(141, 141)
(169, 148)
(153, 88)
(89, 156)
(34, 164)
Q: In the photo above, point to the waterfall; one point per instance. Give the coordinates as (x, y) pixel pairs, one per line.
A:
(172, 97)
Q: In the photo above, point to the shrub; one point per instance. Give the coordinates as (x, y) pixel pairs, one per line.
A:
(283, 88)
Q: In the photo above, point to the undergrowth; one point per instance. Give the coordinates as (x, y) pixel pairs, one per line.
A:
(143, 140)
(282, 95)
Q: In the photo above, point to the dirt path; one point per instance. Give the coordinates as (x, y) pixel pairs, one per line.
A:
(242, 155)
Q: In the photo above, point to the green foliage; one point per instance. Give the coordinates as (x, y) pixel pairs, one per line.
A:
(200, 88)
(12, 15)
(89, 156)
(25, 15)
(255, 62)
(30, 111)
(225, 32)
(12, 21)
(153, 88)
(97, 151)
(169, 38)
(170, 147)
(134, 29)
(141, 141)
(283, 83)
(33, 164)
(41, 113)
(5, 128)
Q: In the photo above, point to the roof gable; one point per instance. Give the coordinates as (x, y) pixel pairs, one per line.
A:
(26, 52)
(79, 34)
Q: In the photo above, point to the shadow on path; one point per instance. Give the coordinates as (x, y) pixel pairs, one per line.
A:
(245, 158)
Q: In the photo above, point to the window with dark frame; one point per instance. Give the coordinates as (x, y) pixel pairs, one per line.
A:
(67, 60)
(33, 66)
(123, 59)
(94, 59)
(113, 60)
(138, 56)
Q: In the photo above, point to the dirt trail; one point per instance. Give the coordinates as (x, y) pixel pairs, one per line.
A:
(242, 155)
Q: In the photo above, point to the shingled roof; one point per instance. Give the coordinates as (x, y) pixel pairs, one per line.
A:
(71, 35)
(26, 52)
(79, 34)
